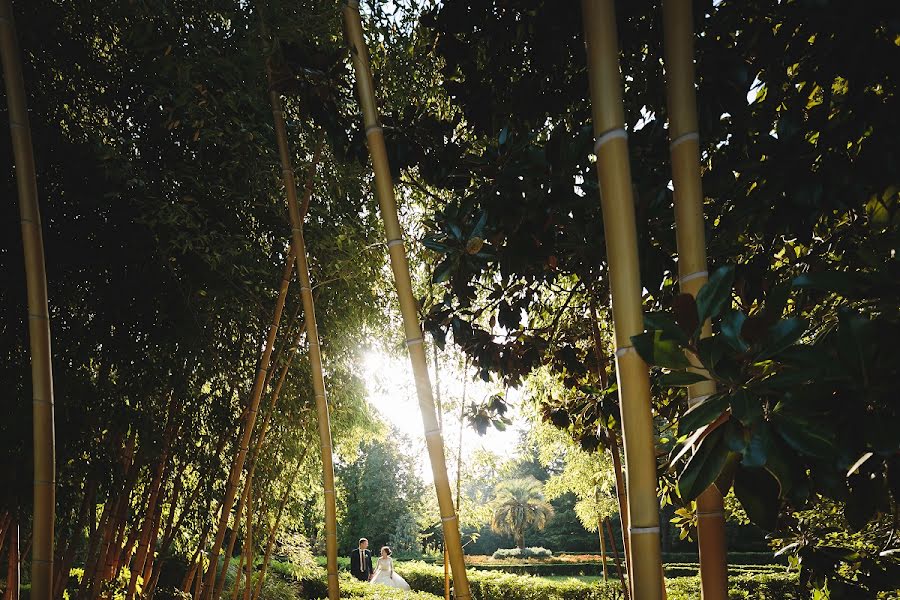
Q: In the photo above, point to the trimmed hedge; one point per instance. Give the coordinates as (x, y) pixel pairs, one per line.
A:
(521, 553)
(428, 581)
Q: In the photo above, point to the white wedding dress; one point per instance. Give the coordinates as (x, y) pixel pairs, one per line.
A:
(385, 575)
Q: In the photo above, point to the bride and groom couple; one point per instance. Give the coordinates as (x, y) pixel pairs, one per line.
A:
(383, 573)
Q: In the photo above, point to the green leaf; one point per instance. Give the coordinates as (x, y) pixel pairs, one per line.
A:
(756, 451)
(656, 349)
(839, 282)
(479, 225)
(710, 351)
(704, 466)
(757, 492)
(731, 326)
(702, 413)
(715, 295)
(681, 378)
(443, 270)
(665, 322)
(746, 407)
(813, 438)
(436, 246)
(782, 335)
(685, 308)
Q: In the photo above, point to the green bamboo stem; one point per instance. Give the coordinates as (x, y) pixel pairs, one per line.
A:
(692, 267)
(312, 337)
(617, 202)
(38, 311)
(402, 281)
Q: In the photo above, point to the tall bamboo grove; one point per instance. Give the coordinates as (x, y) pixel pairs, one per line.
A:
(312, 338)
(684, 144)
(400, 266)
(614, 174)
(38, 312)
(237, 466)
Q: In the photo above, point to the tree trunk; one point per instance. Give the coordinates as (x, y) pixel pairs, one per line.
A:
(13, 565)
(44, 448)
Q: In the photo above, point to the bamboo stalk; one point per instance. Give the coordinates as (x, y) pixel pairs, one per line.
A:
(243, 499)
(403, 283)
(38, 311)
(617, 202)
(612, 542)
(312, 337)
(692, 267)
(238, 465)
(14, 563)
(248, 544)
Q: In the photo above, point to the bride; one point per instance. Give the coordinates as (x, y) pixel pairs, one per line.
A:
(384, 572)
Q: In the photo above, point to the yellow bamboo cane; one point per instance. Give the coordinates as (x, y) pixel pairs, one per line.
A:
(617, 202)
(692, 270)
(400, 266)
(312, 338)
(38, 312)
(209, 586)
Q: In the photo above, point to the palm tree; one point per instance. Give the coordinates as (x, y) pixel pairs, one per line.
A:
(520, 504)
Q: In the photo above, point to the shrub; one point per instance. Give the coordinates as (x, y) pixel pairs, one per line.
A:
(522, 553)
(770, 586)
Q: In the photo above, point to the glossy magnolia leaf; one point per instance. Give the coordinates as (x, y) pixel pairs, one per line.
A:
(710, 351)
(755, 453)
(657, 350)
(685, 309)
(665, 322)
(781, 336)
(478, 229)
(702, 413)
(681, 378)
(704, 466)
(726, 478)
(435, 245)
(813, 438)
(443, 270)
(731, 326)
(757, 492)
(715, 295)
(776, 300)
(839, 282)
(746, 407)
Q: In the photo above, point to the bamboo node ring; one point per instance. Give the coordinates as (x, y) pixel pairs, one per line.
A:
(413, 341)
(643, 530)
(710, 514)
(372, 128)
(448, 519)
(305, 288)
(692, 276)
(610, 135)
(318, 395)
(392, 243)
(432, 433)
(620, 352)
(684, 137)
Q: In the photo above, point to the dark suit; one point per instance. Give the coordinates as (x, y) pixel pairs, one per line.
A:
(361, 564)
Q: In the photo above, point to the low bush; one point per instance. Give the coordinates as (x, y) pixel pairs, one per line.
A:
(762, 586)
(428, 582)
(522, 553)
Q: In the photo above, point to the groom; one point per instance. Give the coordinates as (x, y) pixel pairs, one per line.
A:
(361, 561)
